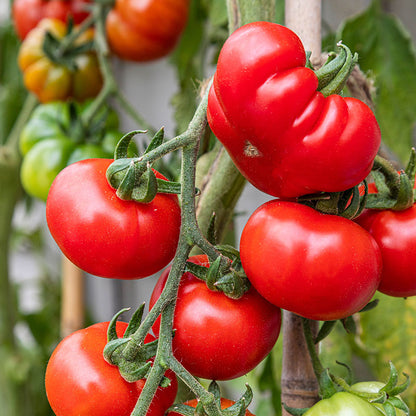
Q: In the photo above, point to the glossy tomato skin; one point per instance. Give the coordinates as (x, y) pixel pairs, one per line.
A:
(145, 31)
(28, 13)
(216, 337)
(343, 404)
(225, 403)
(51, 81)
(284, 136)
(104, 235)
(79, 382)
(319, 266)
(395, 233)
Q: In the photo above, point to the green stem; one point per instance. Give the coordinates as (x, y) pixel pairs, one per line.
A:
(310, 342)
(241, 12)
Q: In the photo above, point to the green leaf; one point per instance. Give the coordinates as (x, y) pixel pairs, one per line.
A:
(386, 51)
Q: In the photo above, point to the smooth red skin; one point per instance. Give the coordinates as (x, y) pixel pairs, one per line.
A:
(225, 403)
(216, 337)
(28, 13)
(79, 382)
(395, 233)
(263, 95)
(145, 30)
(104, 235)
(319, 266)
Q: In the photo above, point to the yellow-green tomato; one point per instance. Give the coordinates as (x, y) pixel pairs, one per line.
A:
(343, 404)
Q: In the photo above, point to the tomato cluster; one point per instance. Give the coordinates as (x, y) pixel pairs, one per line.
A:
(286, 138)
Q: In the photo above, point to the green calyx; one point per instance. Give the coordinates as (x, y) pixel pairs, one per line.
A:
(334, 74)
(237, 409)
(395, 190)
(137, 367)
(348, 204)
(65, 51)
(133, 179)
(225, 274)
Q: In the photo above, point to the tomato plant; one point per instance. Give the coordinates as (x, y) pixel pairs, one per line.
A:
(216, 337)
(320, 266)
(343, 404)
(395, 233)
(284, 136)
(28, 13)
(79, 382)
(144, 31)
(52, 140)
(107, 236)
(49, 78)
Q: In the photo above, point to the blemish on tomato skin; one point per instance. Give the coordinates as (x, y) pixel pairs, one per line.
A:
(251, 151)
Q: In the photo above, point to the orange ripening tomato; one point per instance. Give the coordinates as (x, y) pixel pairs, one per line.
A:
(145, 30)
(225, 403)
(53, 81)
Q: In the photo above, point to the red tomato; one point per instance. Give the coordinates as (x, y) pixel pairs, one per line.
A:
(284, 136)
(28, 13)
(145, 30)
(395, 233)
(79, 382)
(216, 337)
(225, 403)
(104, 235)
(316, 265)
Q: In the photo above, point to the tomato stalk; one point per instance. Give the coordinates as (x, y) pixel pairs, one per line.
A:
(166, 303)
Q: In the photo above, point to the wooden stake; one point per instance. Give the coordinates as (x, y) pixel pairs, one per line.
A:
(298, 383)
(72, 305)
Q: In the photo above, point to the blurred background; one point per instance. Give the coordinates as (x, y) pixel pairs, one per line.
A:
(35, 260)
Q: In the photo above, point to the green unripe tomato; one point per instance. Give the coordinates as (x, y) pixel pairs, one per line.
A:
(343, 404)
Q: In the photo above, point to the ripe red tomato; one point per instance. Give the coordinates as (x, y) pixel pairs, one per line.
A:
(28, 13)
(225, 403)
(216, 337)
(107, 236)
(284, 136)
(395, 233)
(144, 31)
(316, 265)
(79, 382)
